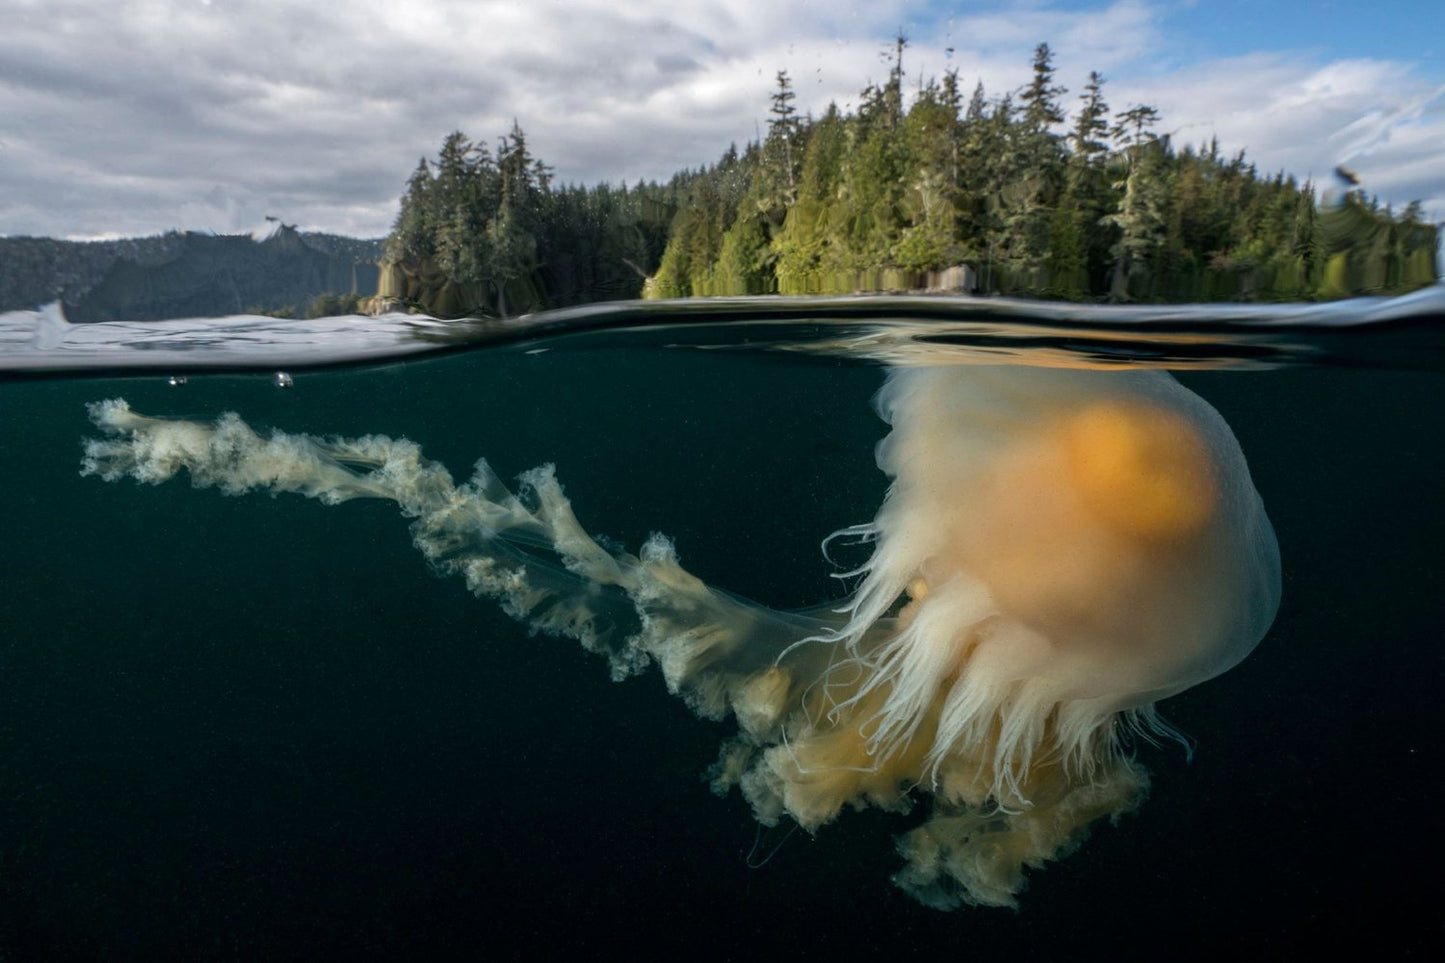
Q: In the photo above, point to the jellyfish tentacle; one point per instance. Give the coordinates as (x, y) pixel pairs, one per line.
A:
(527, 551)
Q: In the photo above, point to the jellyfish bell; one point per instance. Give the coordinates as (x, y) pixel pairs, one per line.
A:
(1058, 550)
(1109, 517)
(1072, 547)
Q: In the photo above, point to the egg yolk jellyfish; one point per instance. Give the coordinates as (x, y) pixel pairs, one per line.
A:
(1058, 550)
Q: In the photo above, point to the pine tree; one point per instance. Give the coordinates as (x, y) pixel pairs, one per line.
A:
(511, 230)
(1091, 126)
(1140, 216)
(784, 135)
(929, 204)
(1039, 100)
(809, 246)
(1029, 194)
(1079, 237)
(412, 236)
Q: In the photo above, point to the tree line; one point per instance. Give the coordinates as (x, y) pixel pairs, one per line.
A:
(1003, 194)
(484, 232)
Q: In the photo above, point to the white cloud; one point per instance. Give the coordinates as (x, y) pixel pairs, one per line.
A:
(1305, 118)
(134, 117)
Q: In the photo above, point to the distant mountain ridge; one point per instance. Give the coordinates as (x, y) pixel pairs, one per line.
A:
(186, 274)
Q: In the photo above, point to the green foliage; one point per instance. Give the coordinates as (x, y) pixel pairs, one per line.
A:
(783, 153)
(485, 235)
(333, 305)
(805, 247)
(1097, 207)
(897, 195)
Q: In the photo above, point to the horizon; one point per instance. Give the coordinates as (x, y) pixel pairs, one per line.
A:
(135, 120)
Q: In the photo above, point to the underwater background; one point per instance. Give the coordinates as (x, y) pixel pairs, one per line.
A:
(256, 727)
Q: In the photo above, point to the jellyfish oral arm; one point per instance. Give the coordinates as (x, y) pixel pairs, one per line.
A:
(529, 553)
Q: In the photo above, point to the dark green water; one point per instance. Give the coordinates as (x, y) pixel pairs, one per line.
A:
(256, 728)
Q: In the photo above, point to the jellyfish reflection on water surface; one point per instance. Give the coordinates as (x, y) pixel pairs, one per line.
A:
(1058, 550)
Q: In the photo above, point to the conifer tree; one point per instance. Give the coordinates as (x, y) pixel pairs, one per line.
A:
(1140, 216)
(413, 236)
(809, 245)
(1039, 101)
(1031, 194)
(1091, 127)
(784, 134)
(929, 203)
(1080, 238)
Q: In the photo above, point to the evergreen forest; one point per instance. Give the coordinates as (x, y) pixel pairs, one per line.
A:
(918, 188)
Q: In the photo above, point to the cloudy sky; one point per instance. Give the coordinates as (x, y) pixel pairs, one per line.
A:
(121, 117)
